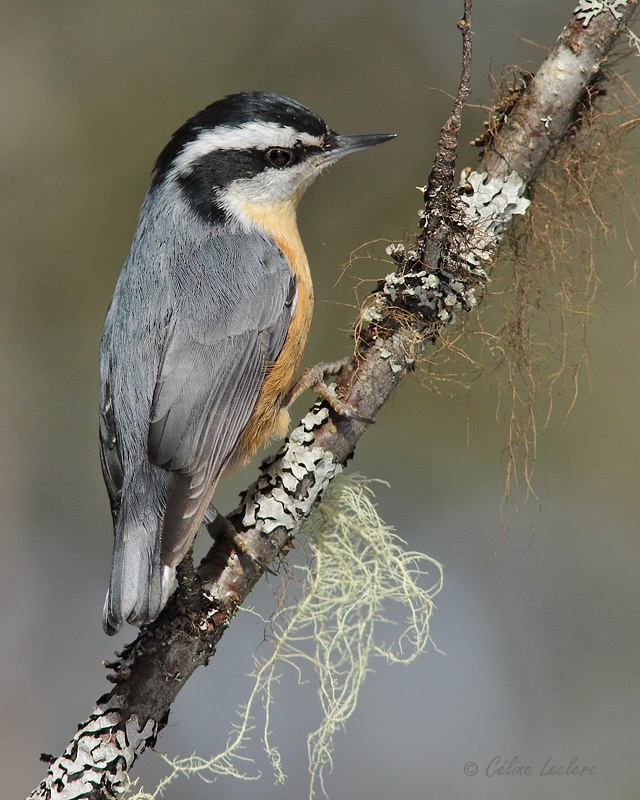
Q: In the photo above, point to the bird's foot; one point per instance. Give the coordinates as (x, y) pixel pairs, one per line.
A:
(315, 378)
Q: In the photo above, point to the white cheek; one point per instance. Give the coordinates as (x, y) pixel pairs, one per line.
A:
(273, 186)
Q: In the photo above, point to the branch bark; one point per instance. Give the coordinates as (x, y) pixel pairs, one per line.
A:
(437, 277)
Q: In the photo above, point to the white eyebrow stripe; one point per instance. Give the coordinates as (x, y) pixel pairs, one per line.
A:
(251, 135)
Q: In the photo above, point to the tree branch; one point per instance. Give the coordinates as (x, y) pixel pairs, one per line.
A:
(460, 231)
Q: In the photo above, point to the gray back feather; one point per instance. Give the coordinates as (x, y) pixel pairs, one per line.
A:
(196, 315)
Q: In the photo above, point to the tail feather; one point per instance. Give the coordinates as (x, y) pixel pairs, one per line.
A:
(140, 583)
(188, 498)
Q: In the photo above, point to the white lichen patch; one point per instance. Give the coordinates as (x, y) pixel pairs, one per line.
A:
(435, 296)
(440, 293)
(488, 208)
(96, 749)
(586, 10)
(275, 501)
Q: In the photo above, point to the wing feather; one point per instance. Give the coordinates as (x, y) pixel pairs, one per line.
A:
(233, 320)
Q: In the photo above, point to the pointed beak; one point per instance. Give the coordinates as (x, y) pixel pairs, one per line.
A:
(337, 146)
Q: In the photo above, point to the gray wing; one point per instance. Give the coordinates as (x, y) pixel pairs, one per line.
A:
(232, 314)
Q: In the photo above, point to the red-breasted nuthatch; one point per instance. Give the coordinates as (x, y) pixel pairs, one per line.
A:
(206, 329)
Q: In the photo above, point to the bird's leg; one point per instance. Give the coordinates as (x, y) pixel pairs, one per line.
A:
(314, 378)
(218, 525)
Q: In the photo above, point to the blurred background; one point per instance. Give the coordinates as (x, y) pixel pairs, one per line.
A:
(540, 654)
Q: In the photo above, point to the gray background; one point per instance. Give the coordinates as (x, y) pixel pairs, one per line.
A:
(541, 654)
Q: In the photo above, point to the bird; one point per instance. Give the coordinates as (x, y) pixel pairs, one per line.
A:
(206, 330)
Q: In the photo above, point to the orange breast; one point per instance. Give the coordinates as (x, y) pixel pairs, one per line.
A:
(269, 419)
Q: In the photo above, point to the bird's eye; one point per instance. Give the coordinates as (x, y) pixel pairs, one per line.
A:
(279, 157)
